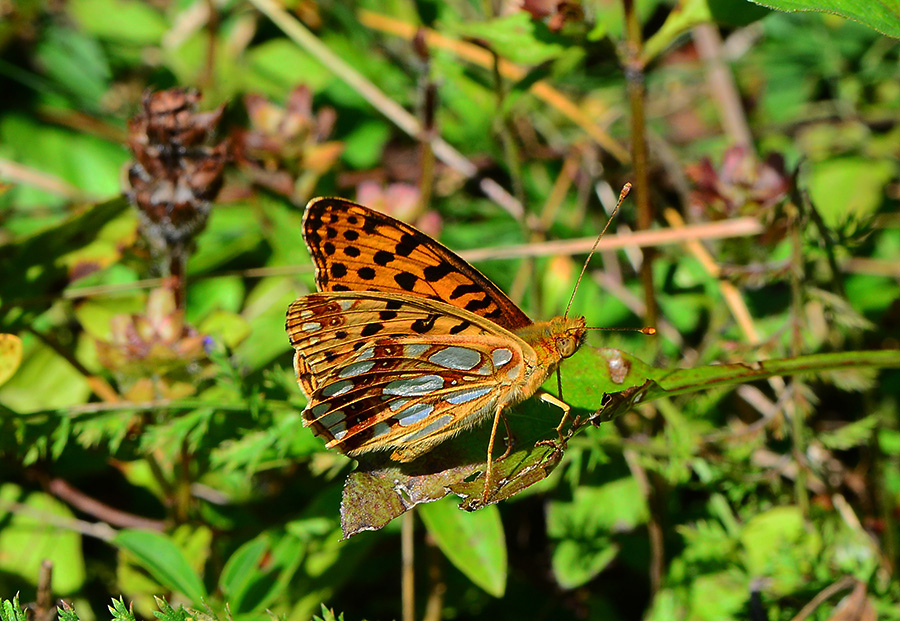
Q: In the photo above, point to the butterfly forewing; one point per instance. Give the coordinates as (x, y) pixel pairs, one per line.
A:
(373, 383)
(357, 249)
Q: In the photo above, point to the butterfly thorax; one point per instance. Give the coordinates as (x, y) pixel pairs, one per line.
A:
(554, 340)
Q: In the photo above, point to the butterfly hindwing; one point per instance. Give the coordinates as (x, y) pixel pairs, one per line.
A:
(373, 388)
(358, 249)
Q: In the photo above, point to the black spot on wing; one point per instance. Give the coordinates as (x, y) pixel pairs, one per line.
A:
(338, 270)
(406, 245)
(372, 328)
(382, 258)
(434, 273)
(405, 280)
(421, 326)
(462, 325)
(476, 305)
(462, 290)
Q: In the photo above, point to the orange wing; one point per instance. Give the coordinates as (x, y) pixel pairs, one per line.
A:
(358, 249)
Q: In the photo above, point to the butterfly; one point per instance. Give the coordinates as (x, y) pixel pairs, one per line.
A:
(405, 344)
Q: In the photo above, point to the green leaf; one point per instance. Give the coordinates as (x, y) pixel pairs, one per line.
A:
(476, 546)
(577, 561)
(850, 188)
(584, 545)
(164, 560)
(688, 14)
(721, 595)
(515, 37)
(363, 146)
(241, 569)
(77, 62)
(850, 435)
(34, 266)
(272, 68)
(767, 533)
(125, 21)
(67, 613)
(120, 611)
(35, 533)
(625, 508)
(12, 610)
(889, 441)
(882, 15)
(10, 356)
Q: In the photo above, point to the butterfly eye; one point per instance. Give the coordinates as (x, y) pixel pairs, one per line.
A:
(565, 346)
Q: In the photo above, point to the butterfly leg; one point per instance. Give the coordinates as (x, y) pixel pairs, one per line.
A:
(489, 470)
(559, 444)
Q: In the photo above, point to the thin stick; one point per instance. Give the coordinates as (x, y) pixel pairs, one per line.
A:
(635, 77)
(844, 583)
(408, 580)
(625, 190)
(19, 173)
(721, 85)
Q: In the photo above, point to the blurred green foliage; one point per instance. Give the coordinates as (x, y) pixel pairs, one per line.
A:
(153, 449)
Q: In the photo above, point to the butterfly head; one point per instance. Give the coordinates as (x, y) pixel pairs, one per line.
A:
(568, 334)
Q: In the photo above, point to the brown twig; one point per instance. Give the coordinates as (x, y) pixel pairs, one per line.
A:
(634, 76)
(207, 79)
(794, 409)
(722, 87)
(44, 610)
(407, 551)
(98, 530)
(739, 227)
(822, 596)
(20, 174)
(64, 490)
(438, 587)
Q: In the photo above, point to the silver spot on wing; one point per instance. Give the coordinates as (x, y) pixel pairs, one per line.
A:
(337, 388)
(357, 368)
(415, 414)
(464, 396)
(417, 386)
(428, 429)
(459, 358)
(501, 356)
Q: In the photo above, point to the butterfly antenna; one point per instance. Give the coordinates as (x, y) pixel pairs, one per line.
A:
(649, 331)
(625, 190)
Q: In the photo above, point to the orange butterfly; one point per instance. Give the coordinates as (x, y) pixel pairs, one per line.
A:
(406, 344)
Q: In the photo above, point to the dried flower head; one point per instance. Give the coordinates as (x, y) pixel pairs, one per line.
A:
(176, 175)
